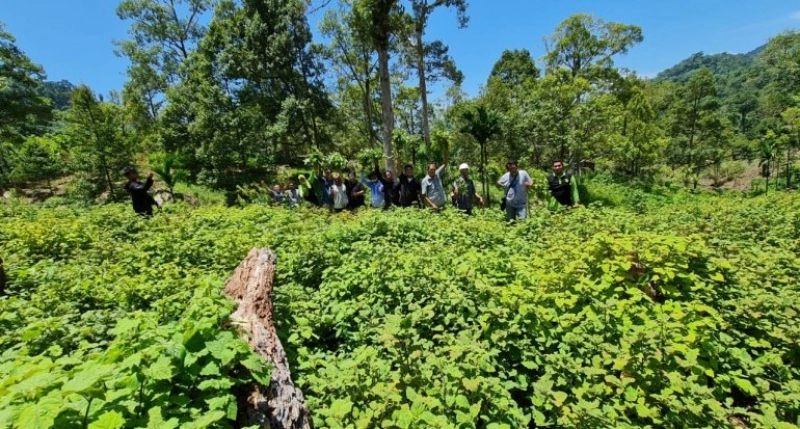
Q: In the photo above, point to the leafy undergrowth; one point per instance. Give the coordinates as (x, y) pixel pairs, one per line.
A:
(675, 316)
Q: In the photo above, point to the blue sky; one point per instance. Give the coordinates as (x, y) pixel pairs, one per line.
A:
(73, 40)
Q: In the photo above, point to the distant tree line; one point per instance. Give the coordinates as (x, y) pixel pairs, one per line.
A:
(227, 102)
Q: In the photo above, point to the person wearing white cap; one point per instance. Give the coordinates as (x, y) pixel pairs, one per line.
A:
(464, 191)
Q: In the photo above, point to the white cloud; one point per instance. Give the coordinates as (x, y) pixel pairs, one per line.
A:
(795, 16)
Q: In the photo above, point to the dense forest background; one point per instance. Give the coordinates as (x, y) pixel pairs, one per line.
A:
(230, 103)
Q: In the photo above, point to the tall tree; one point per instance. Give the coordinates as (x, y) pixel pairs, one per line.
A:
(354, 61)
(782, 55)
(98, 132)
(482, 124)
(431, 60)
(258, 94)
(515, 67)
(163, 35)
(580, 58)
(586, 46)
(699, 129)
(24, 110)
(378, 21)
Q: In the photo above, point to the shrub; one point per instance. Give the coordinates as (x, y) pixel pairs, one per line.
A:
(680, 316)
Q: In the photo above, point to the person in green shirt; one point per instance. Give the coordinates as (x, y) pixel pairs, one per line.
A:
(563, 188)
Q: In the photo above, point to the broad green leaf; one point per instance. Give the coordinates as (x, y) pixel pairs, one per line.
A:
(162, 369)
(211, 368)
(87, 379)
(109, 420)
(340, 408)
(207, 419)
(156, 420)
(559, 398)
(471, 384)
(746, 386)
(34, 417)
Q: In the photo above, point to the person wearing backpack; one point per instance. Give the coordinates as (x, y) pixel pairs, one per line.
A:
(515, 183)
(563, 188)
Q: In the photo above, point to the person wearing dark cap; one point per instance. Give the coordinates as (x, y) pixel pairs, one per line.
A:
(142, 201)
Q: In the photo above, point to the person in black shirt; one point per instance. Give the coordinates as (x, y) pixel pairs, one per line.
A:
(389, 183)
(408, 188)
(355, 192)
(142, 201)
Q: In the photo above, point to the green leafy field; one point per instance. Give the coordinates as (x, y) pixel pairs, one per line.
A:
(409, 320)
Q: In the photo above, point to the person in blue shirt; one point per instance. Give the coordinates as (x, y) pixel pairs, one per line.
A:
(375, 188)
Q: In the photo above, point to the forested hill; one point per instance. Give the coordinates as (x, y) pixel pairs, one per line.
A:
(723, 64)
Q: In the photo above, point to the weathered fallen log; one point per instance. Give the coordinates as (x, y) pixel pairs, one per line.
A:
(282, 406)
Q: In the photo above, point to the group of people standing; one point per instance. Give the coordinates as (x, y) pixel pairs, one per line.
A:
(334, 192)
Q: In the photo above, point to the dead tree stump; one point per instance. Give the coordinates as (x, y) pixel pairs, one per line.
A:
(250, 286)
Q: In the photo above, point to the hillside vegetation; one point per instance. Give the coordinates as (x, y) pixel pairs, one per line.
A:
(680, 313)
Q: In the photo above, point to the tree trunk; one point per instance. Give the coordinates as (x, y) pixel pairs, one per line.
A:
(281, 405)
(788, 167)
(109, 182)
(423, 88)
(386, 101)
(2, 279)
(368, 108)
(485, 174)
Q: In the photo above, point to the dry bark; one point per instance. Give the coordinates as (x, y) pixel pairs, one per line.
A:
(281, 405)
(637, 270)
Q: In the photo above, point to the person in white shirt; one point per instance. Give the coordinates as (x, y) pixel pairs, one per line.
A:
(338, 192)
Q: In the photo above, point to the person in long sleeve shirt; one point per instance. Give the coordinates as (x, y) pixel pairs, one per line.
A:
(142, 201)
(355, 192)
(375, 188)
(390, 187)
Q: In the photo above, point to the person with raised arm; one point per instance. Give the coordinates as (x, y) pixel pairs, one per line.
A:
(390, 187)
(515, 183)
(375, 188)
(355, 192)
(324, 183)
(142, 201)
(432, 190)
